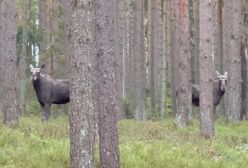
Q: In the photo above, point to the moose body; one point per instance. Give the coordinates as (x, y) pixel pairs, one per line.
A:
(49, 91)
(219, 87)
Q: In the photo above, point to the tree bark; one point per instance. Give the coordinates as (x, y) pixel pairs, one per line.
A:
(108, 132)
(232, 44)
(244, 67)
(183, 89)
(139, 63)
(9, 62)
(206, 67)
(82, 47)
(173, 52)
(23, 58)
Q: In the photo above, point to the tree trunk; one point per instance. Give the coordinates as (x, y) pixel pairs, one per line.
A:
(151, 50)
(165, 61)
(174, 52)
(139, 63)
(122, 51)
(183, 89)
(195, 61)
(9, 62)
(22, 62)
(232, 44)
(82, 106)
(44, 26)
(108, 132)
(206, 67)
(244, 56)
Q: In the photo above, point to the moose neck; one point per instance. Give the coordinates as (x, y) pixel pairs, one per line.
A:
(37, 84)
(221, 91)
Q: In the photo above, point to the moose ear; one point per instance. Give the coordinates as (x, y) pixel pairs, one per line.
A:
(218, 73)
(225, 74)
(43, 66)
(31, 67)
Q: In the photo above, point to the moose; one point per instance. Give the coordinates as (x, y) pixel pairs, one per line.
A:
(219, 87)
(49, 91)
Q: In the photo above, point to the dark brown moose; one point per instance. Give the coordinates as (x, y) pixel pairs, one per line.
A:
(49, 91)
(219, 88)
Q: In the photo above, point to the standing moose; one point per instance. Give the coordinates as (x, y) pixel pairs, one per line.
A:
(219, 87)
(49, 91)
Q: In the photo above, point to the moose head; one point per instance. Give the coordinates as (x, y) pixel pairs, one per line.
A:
(35, 72)
(222, 80)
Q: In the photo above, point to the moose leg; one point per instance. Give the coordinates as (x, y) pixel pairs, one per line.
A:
(43, 113)
(47, 108)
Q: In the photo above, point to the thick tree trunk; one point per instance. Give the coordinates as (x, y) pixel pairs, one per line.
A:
(183, 89)
(206, 70)
(9, 62)
(82, 95)
(108, 132)
(232, 44)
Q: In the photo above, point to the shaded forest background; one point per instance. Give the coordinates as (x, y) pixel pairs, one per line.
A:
(146, 70)
(158, 49)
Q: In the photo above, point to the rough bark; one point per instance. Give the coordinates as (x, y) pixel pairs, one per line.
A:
(232, 45)
(108, 132)
(82, 106)
(206, 67)
(9, 62)
(183, 91)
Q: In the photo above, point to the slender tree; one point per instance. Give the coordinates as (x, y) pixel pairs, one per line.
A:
(139, 63)
(232, 23)
(155, 52)
(108, 133)
(121, 68)
(82, 106)
(244, 67)
(173, 51)
(206, 67)
(45, 30)
(23, 58)
(9, 61)
(151, 49)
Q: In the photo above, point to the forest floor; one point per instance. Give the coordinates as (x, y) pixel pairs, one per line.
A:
(146, 144)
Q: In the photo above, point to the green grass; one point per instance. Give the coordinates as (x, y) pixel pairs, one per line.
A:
(147, 144)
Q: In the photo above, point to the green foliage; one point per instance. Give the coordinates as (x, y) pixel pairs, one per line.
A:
(35, 145)
(143, 144)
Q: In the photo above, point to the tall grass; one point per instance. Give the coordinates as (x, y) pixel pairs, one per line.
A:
(146, 144)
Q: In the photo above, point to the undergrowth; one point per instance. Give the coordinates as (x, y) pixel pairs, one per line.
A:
(143, 144)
